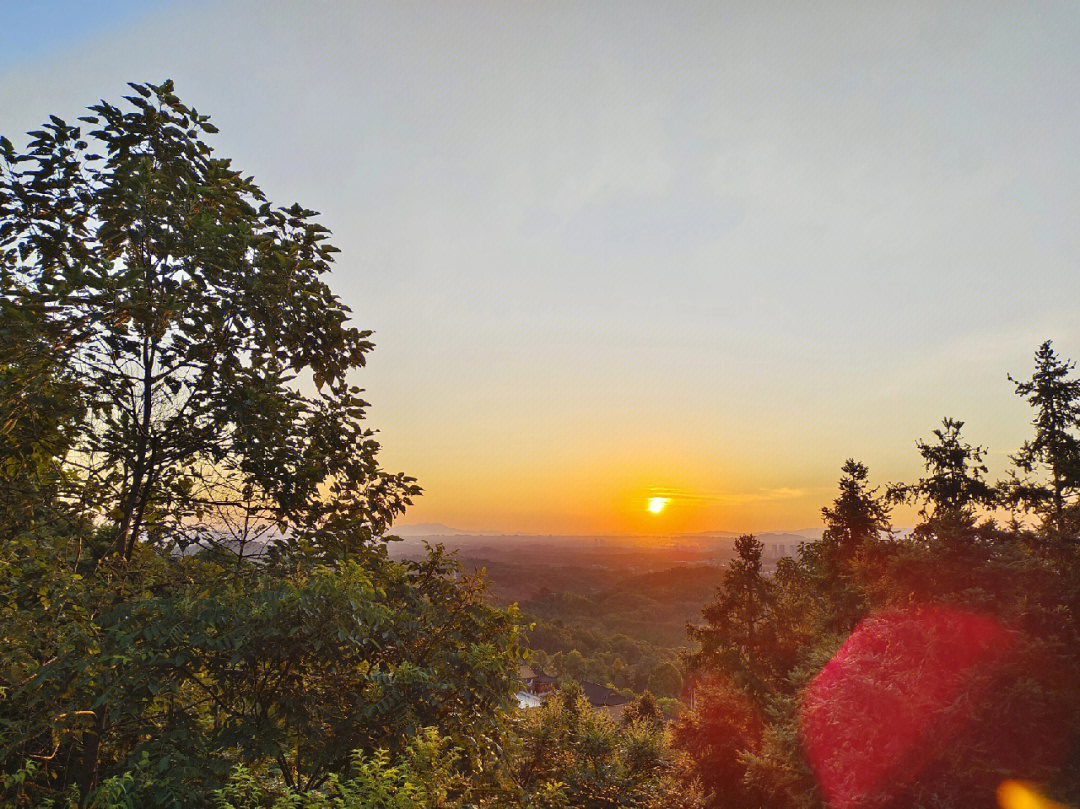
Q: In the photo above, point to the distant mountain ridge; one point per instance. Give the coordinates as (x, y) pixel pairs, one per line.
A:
(805, 533)
(438, 529)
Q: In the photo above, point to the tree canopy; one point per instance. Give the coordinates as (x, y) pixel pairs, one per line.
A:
(921, 668)
(185, 309)
(176, 383)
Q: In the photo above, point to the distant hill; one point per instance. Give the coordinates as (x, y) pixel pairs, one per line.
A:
(731, 534)
(785, 538)
(651, 607)
(805, 533)
(435, 529)
(693, 584)
(438, 529)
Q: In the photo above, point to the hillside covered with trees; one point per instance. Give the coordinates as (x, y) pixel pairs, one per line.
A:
(176, 389)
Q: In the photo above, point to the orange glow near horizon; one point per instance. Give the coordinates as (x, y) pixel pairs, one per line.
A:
(590, 488)
(706, 295)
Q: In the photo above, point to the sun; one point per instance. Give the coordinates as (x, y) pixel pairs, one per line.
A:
(656, 504)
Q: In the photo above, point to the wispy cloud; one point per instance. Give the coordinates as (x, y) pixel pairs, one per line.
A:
(728, 498)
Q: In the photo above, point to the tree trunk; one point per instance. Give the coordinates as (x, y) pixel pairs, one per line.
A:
(88, 766)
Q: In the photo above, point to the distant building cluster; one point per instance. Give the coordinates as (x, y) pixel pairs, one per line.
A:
(537, 686)
(778, 550)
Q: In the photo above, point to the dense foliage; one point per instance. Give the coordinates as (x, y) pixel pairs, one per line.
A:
(174, 393)
(568, 755)
(881, 668)
(628, 636)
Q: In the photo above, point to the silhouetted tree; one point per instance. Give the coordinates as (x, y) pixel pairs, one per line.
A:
(189, 306)
(734, 632)
(857, 516)
(953, 488)
(863, 709)
(1054, 451)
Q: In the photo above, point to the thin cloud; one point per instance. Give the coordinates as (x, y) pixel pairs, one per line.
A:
(728, 498)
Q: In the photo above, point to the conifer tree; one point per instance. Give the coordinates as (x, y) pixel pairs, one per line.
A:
(1049, 463)
(838, 566)
(952, 489)
(735, 632)
(859, 514)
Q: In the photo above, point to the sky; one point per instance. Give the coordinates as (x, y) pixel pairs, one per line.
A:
(619, 251)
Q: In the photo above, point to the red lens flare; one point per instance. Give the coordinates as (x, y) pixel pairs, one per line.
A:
(906, 698)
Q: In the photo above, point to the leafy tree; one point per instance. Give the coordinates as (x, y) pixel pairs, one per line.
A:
(162, 322)
(190, 307)
(288, 674)
(666, 680)
(39, 405)
(572, 664)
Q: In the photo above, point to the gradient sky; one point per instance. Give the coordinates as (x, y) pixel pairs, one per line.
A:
(615, 250)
